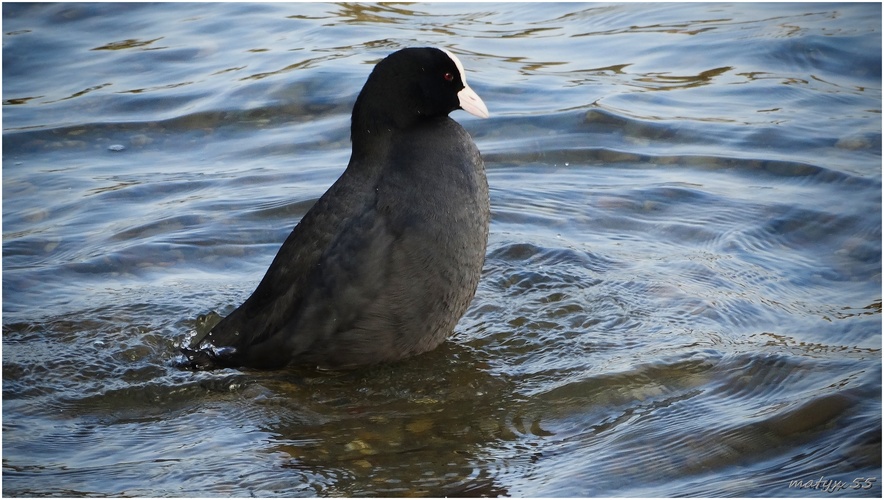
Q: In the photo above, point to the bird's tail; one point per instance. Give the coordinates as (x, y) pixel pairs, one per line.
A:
(209, 358)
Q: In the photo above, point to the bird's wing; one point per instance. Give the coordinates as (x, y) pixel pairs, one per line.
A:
(329, 270)
(284, 284)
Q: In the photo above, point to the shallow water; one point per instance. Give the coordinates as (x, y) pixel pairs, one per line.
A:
(682, 291)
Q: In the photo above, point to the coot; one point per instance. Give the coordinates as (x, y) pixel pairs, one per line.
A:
(386, 262)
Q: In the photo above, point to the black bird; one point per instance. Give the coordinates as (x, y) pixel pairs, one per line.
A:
(386, 262)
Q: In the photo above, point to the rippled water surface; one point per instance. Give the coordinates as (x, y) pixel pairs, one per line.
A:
(682, 290)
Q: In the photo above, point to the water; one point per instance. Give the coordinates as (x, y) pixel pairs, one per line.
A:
(682, 292)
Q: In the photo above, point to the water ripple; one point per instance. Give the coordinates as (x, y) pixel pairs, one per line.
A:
(681, 294)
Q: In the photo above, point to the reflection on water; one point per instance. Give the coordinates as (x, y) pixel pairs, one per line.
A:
(682, 287)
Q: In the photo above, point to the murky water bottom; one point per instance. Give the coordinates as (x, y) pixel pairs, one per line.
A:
(681, 294)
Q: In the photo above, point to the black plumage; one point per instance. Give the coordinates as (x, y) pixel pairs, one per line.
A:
(387, 261)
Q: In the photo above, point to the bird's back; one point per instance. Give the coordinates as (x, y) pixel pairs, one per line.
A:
(381, 267)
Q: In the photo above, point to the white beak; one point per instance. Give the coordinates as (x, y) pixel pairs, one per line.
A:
(471, 102)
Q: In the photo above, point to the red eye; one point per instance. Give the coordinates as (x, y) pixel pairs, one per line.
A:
(448, 77)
